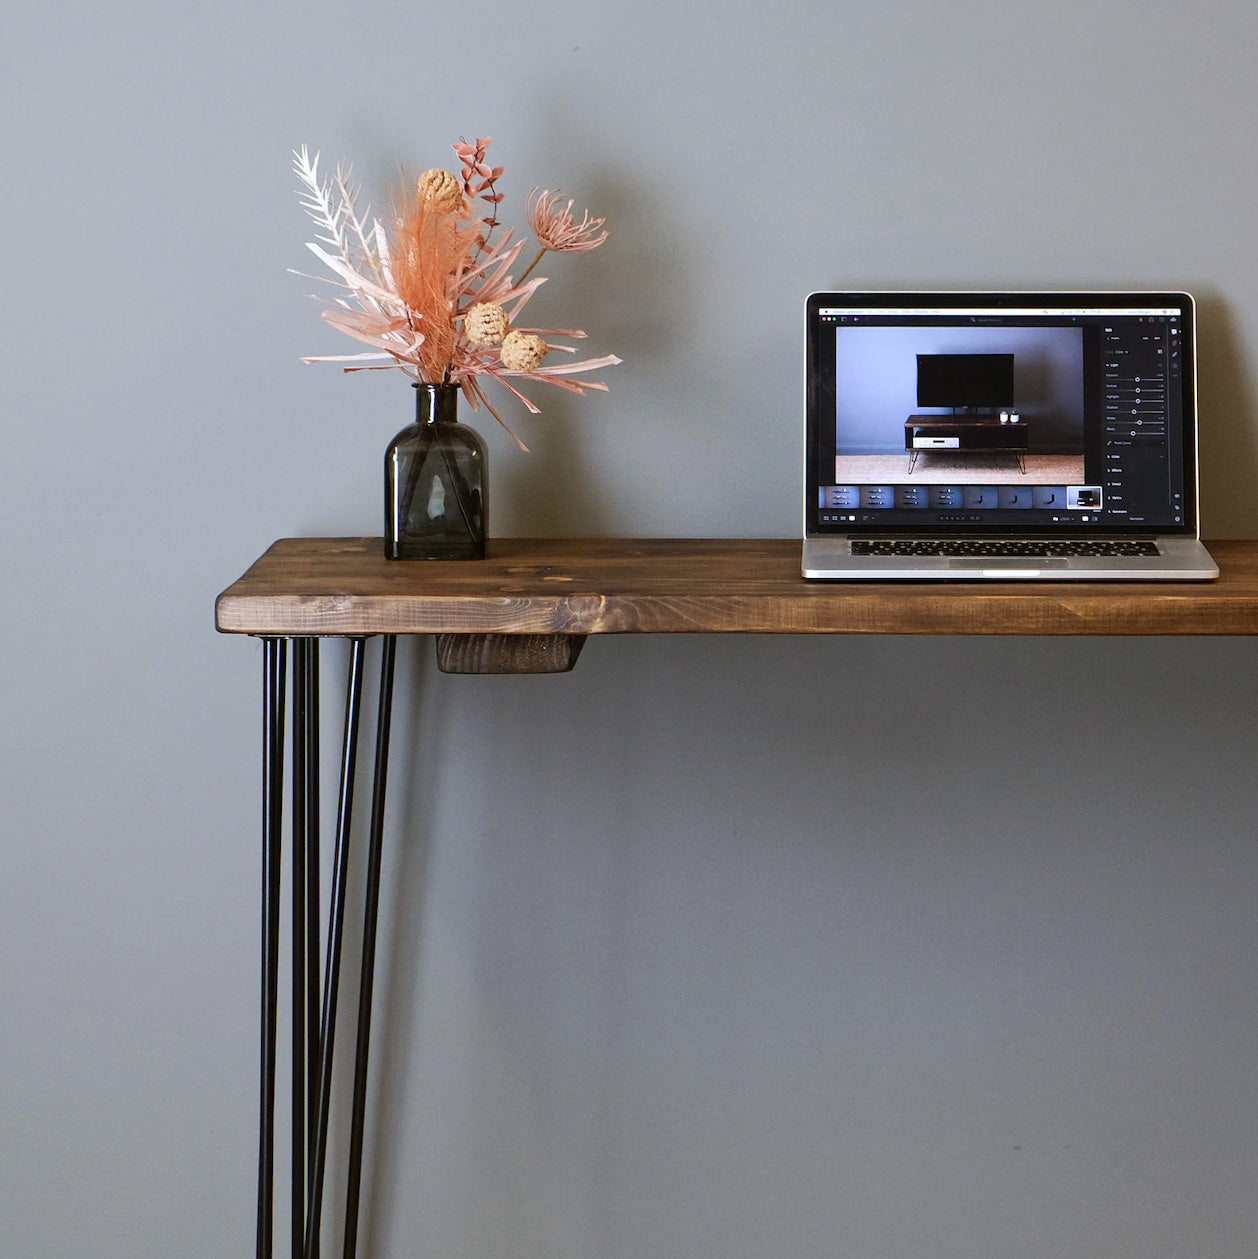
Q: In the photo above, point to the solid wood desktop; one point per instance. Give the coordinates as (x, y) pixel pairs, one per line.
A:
(323, 587)
(527, 608)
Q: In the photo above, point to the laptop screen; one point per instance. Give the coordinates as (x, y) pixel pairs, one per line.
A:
(1000, 412)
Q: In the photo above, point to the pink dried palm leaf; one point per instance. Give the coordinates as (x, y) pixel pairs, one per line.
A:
(365, 321)
(507, 294)
(585, 365)
(533, 408)
(548, 375)
(549, 333)
(359, 284)
(393, 336)
(477, 398)
(515, 300)
(364, 362)
(406, 346)
(499, 376)
(484, 257)
(488, 279)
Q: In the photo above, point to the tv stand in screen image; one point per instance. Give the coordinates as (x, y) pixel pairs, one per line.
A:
(983, 434)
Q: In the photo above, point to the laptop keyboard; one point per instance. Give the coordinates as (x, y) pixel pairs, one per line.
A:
(982, 547)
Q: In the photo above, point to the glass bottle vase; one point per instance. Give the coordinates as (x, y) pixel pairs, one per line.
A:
(435, 483)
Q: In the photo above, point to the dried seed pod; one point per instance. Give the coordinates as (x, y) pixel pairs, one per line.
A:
(523, 351)
(485, 324)
(440, 190)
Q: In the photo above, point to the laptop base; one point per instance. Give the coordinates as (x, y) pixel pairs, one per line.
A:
(1178, 559)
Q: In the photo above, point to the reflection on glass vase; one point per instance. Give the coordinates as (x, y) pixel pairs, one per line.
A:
(435, 483)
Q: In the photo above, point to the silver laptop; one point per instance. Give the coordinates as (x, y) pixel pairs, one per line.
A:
(1005, 436)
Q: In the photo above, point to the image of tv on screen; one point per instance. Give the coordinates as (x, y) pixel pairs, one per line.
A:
(964, 380)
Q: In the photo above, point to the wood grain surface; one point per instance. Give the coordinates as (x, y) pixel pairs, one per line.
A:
(345, 586)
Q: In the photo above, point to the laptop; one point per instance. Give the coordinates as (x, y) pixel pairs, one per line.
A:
(1003, 436)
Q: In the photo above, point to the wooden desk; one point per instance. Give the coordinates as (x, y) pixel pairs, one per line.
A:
(528, 607)
(345, 586)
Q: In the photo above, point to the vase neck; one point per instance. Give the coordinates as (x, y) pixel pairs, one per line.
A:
(436, 404)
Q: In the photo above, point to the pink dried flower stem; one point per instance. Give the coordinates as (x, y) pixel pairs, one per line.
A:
(541, 253)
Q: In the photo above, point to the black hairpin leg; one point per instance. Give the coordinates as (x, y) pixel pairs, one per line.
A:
(369, 946)
(272, 818)
(314, 1004)
(301, 649)
(336, 926)
(305, 909)
(313, 950)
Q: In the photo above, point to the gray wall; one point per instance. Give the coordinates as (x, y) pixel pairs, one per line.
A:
(912, 948)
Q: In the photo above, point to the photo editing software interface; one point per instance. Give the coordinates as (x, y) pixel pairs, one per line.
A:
(1049, 417)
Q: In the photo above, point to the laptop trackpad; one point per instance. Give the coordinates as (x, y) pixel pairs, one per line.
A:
(1013, 565)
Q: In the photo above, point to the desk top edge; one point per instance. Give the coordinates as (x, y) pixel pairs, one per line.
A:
(345, 586)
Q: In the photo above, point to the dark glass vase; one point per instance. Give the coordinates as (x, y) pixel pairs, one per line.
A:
(435, 483)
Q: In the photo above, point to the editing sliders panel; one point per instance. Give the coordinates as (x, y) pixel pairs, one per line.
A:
(1140, 370)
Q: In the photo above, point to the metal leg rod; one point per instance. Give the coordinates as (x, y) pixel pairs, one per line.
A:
(388, 650)
(301, 691)
(313, 950)
(336, 926)
(273, 658)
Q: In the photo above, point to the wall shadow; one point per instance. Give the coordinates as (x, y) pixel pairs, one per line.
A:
(1228, 421)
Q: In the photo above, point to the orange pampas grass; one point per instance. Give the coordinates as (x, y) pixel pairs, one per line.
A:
(432, 249)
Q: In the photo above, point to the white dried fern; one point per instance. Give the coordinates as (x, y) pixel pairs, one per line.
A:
(355, 249)
(332, 204)
(364, 238)
(316, 200)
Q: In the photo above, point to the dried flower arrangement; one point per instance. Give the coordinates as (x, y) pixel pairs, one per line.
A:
(436, 297)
